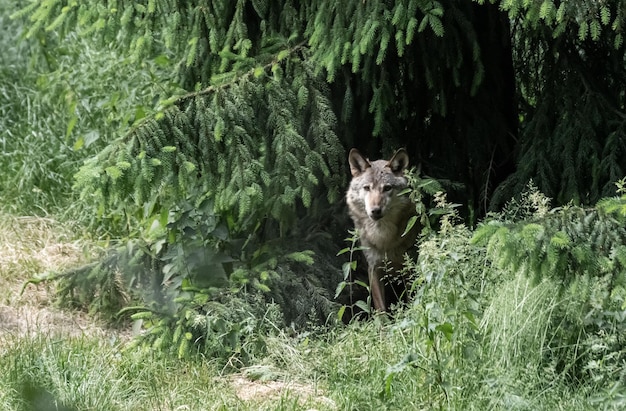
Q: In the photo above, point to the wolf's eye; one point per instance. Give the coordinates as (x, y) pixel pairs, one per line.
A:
(366, 188)
(387, 187)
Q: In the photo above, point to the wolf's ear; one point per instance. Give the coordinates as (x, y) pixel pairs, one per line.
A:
(358, 163)
(399, 162)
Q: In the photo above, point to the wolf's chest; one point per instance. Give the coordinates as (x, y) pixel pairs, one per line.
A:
(382, 235)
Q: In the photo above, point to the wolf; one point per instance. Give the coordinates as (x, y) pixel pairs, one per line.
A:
(380, 215)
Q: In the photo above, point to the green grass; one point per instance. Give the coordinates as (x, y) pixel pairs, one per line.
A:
(90, 374)
(87, 374)
(93, 367)
(35, 160)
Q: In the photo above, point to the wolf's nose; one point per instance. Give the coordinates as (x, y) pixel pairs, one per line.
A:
(376, 213)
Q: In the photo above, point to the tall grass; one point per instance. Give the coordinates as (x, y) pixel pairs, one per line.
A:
(84, 374)
(519, 323)
(58, 107)
(33, 160)
(344, 371)
(47, 373)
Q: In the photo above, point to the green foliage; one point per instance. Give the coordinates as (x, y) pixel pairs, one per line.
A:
(563, 244)
(581, 253)
(353, 308)
(244, 179)
(195, 288)
(615, 205)
(361, 34)
(204, 186)
(571, 122)
(588, 18)
(63, 101)
(380, 56)
(231, 329)
(365, 35)
(442, 320)
(218, 36)
(205, 38)
(252, 160)
(511, 332)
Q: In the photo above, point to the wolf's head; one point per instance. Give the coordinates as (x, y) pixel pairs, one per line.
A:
(375, 184)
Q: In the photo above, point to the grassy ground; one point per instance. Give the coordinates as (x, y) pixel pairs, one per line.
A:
(53, 358)
(62, 359)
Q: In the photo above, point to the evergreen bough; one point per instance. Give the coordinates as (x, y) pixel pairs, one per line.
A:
(207, 189)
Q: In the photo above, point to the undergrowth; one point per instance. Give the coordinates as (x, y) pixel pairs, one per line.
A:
(475, 335)
(482, 331)
(556, 319)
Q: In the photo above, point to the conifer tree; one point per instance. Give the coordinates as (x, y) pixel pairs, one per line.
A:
(569, 64)
(269, 95)
(445, 79)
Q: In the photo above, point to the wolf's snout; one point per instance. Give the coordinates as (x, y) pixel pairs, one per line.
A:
(376, 213)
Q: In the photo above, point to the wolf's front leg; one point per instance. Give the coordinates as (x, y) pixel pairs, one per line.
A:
(377, 290)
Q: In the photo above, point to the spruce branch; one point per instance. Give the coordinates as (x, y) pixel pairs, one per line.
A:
(254, 72)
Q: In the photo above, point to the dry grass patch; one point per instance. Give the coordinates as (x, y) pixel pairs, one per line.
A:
(271, 391)
(31, 246)
(34, 244)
